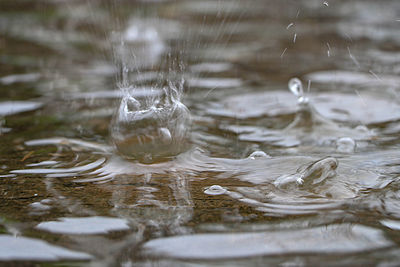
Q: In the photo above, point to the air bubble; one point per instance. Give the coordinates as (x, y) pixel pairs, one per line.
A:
(362, 129)
(345, 145)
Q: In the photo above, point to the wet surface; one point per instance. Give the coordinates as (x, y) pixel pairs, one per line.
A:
(172, 133)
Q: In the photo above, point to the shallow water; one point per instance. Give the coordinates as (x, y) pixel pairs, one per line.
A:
(258, 175)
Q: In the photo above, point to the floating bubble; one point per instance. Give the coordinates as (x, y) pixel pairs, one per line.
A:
(215, 190)
(362, 129)
(259, 154)
(345, 145)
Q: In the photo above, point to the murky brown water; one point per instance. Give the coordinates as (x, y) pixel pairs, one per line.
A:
(260, 175)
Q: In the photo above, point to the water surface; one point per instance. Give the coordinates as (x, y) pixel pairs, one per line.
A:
(260, 174)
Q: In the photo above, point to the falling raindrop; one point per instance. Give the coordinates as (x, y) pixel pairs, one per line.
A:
(283, 53)
(329, 49)
(290, 25)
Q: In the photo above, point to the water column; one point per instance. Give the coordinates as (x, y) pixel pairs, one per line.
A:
(154, 127)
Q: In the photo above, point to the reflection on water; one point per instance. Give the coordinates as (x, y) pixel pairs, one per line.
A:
(331, 239)
(22, 249)
(164, 133)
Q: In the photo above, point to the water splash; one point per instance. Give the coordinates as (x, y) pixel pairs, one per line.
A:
(151, 130)
(310, 175)
(154, 127)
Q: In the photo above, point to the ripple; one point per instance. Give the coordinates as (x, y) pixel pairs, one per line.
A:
(211, 67)
(254, 105)
(84, 226)
(62, 171)
(313, 174)
(339, 238)
(24, 248)
(212, 83)
(336, 106)
(394, 225)
(20, 78)
(15, 107)
(215, 190)
(111, 94)
(352, 77)
(357, 107)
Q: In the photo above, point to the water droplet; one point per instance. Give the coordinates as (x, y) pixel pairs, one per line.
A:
(165, 135)
(215, 190)
(345, 145)
(259, 154)
(329, 49)
(296, 87)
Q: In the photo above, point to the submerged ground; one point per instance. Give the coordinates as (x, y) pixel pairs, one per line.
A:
(271, 176)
